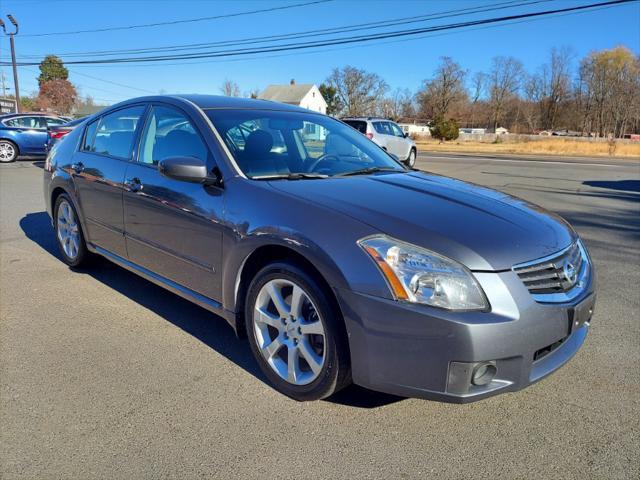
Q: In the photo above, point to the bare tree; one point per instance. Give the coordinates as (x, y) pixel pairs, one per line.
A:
(478, 87)
(397, 105)
(532, 90)
(443, 90)
(229, 88)
(359, 91)
(554, 80)
(610, 87)
(504, 82)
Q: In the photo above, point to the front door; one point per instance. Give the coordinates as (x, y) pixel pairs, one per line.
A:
(400, 144)
(173, 228)
(98, 171)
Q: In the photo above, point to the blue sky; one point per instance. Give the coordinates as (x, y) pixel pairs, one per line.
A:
(402, 63)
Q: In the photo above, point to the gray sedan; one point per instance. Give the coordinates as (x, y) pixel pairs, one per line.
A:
(337, 262)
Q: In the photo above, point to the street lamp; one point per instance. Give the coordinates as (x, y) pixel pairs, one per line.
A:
(13, 55)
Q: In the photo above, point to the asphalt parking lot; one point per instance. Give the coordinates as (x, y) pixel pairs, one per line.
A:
(104, 375)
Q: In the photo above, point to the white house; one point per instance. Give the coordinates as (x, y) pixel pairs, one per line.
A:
(305, 95)
(417, 129)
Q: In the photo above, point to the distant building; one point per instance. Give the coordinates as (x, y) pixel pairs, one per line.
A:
(473, 131)
(418, 129)
(305, 95)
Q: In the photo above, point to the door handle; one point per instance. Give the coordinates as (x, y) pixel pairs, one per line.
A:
(78, 167)
(133, 184)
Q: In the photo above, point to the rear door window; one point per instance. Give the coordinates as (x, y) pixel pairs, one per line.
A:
(89, 135)
(116, 133)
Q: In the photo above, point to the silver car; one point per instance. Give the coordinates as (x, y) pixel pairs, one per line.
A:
(388, 135)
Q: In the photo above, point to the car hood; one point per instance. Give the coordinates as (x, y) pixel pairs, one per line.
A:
(482, 228)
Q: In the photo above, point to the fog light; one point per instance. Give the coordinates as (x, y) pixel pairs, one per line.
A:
(483, 373)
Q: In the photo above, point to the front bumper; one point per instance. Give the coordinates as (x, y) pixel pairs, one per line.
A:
(419, 351)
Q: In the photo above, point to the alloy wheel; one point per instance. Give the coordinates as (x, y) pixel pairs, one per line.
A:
(68, 230)
(289, 332)
(7, 152)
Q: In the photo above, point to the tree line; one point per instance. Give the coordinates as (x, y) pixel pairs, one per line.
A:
(599, 95)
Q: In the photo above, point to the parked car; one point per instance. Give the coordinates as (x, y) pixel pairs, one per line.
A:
(338, 263)
(388, 135)
(55, 133)
(25, 134)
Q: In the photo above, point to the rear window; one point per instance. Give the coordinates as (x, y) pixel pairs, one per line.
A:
(359, 125)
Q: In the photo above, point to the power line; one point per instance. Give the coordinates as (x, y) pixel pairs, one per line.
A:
(99, 79)
(111, 82)
(176, 22)
(305, 34)
(342, 40)
(337, 49)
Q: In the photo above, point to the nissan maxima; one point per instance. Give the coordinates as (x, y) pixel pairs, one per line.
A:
(336, 261)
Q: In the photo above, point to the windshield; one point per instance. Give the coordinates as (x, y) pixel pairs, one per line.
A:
(296, 145)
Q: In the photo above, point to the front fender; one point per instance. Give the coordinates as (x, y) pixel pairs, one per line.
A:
(258, 215)
(234, 263)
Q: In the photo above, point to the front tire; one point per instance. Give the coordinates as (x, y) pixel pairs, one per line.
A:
(8, 151)
(411, 159)
(296, 333)
(69, 237)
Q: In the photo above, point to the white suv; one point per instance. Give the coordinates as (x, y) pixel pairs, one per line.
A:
(388, 135)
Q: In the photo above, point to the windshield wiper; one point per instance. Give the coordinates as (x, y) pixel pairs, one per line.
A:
(291, 176)
(366, 171)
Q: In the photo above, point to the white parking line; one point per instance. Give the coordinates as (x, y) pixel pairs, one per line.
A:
(487, 159)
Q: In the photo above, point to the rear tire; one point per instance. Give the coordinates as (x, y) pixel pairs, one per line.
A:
(69, 236)
(296, 333)
(8, 151)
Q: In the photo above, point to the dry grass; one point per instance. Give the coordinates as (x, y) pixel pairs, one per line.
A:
(550, 146)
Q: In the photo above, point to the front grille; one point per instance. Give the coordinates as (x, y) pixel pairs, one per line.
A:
(554, 274)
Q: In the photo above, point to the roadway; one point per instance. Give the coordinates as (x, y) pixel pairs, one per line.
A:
(103, 375)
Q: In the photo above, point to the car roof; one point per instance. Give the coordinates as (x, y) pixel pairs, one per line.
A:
(377, 119)
(219, 101)
(33, 114)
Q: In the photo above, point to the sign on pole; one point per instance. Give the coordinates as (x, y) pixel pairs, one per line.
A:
(7, 105)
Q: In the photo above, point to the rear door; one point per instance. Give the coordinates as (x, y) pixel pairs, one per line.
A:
(174, 228)
(98, 172)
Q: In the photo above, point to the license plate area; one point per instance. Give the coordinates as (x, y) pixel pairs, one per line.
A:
(581, 313)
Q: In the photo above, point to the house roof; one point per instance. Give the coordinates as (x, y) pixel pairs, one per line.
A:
(286, 93)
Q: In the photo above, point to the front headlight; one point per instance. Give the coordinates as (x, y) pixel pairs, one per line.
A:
(419, 275)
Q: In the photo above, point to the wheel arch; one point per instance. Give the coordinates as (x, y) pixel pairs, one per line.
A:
(263, 256)
(58, 190)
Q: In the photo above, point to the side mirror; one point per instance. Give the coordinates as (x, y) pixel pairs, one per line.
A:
(406, 134)
(185, 169)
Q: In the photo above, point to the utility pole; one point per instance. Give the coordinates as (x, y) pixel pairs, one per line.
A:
(13, 56)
